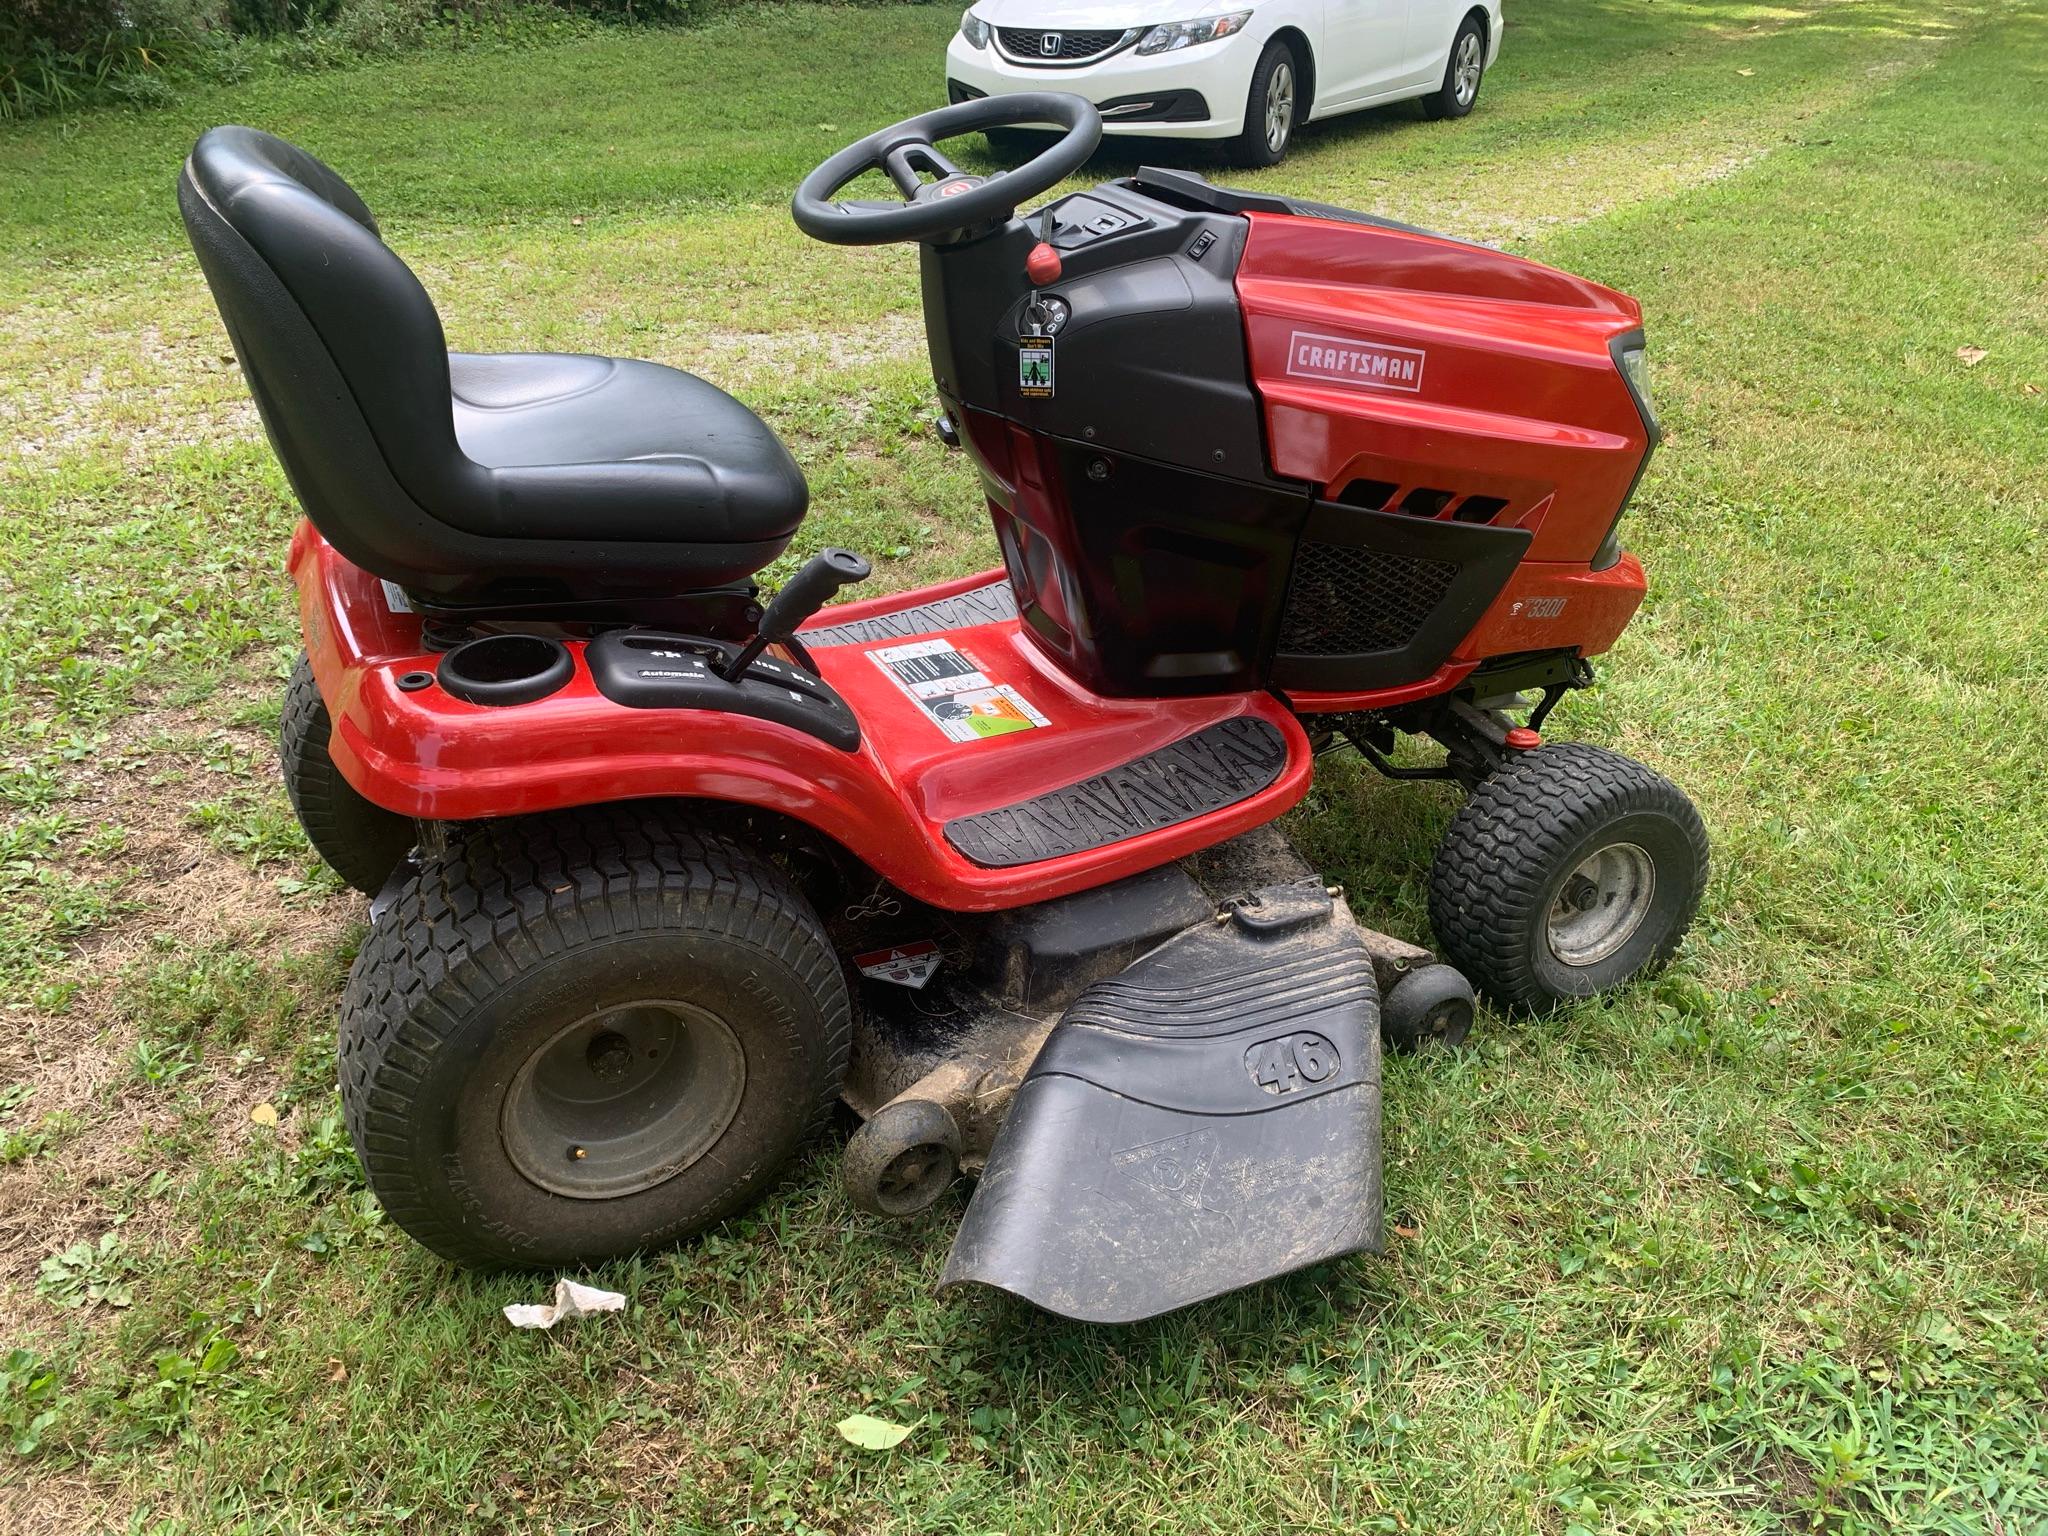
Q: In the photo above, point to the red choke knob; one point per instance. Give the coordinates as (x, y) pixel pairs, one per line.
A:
(1042, 266)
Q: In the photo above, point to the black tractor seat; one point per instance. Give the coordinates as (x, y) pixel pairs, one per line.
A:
(608, 448)
(521, 479)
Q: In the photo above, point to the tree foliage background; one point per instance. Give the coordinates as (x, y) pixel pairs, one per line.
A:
(62, 55)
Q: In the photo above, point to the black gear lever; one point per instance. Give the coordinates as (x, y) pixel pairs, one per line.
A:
(801, 596)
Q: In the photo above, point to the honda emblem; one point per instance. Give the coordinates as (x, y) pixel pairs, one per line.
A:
(1049, 44)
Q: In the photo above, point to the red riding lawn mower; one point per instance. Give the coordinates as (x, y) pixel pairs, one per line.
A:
(662, 871)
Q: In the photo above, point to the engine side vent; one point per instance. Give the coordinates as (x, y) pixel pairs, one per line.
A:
(1347, 600)
(1480, 509)
(1424, 502)
(1370, 494)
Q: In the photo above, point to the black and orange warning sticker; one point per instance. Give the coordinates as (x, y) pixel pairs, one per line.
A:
(950, 687)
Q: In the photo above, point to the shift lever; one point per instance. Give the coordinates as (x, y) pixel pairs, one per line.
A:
(801, 596)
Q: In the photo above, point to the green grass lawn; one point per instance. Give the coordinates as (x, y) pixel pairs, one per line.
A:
(1761, 1246)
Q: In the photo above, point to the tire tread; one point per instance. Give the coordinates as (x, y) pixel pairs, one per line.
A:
(1504, 845)
(360, 841)
(506, 895)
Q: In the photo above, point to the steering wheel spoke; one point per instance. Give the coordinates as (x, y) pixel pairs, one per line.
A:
(907, 163)
(906, 153)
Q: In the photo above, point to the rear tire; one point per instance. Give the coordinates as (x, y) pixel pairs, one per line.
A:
(1464, 71)
(1569, 872)
(359, 841)
(575, 1037)
(1271, 111)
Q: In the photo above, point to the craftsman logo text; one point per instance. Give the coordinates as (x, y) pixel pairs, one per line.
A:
(1366, 364)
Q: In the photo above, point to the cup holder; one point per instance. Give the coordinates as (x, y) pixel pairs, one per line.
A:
(505, 669)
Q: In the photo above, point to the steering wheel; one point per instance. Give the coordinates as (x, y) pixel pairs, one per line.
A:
(957, 199)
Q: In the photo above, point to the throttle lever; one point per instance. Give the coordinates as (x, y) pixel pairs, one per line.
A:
(801, 596)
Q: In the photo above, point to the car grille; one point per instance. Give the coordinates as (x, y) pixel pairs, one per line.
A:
(1350, 601)
(1026, 45)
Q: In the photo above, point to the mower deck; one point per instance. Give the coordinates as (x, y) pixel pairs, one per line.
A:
(1205, 1119)
(1180, 1069)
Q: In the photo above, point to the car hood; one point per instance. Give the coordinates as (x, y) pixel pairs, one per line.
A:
(1055, 15)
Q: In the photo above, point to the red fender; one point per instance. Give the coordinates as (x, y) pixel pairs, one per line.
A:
(425, 754)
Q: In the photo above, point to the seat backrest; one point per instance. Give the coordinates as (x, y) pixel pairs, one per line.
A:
(341, 346)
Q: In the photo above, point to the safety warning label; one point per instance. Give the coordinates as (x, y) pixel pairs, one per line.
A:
(950, 687)
(907, 965)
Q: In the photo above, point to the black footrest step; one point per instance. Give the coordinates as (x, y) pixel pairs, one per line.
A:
(978, 605)
(1218, 765)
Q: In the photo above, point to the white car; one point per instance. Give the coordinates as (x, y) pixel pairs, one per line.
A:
(1247, 76)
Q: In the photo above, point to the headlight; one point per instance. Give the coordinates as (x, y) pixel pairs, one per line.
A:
(1635, 368)
(1185, 34)
(1629, 357)
(974, 29)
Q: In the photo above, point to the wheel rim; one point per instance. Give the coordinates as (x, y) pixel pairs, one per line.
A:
(623, 1099)
(1279, 106)
(908, 1182)
(1600, 905)
(1444, 1021)
(1465, 69)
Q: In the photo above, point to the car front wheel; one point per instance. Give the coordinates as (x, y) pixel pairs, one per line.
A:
(1271, 110)
(1463, 72)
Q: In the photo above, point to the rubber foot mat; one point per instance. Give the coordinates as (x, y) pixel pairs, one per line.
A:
(1218, 765)
(980, 605)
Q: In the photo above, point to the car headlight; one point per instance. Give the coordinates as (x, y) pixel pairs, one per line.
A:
(1174, 35)
(974, 29)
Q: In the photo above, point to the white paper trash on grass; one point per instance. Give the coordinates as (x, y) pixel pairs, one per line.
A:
(571, 1300)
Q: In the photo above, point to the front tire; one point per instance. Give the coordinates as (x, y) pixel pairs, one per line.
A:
(1569, 872)
(576, 1037)
(1271, 110)
(359, 841)
(1014, 146)
(1463, 73)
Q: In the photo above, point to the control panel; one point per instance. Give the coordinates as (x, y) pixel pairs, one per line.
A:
(1083, 219)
